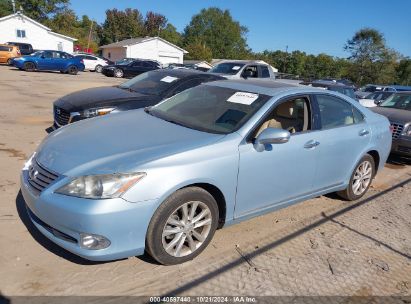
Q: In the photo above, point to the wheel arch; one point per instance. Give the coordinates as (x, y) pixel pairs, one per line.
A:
(376, 156)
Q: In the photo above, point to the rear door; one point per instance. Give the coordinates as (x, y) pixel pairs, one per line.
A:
(343, 137)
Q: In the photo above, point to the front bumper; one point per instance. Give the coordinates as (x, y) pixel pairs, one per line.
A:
(62, 218)
(107, 72)
(401, 146)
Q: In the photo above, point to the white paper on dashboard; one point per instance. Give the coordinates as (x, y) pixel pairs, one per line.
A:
(243, 98)
(236, 67)
(169, 79)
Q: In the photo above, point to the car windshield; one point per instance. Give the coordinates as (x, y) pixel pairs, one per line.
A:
(230, 68)
(398, 101)
(152, 83)
(210, 109)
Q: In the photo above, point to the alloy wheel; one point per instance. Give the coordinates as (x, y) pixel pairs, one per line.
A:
(186, 229)
(362, 178)
(118, 73)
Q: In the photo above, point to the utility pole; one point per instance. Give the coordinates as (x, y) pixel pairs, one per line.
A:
(89, 35)
(13, 3)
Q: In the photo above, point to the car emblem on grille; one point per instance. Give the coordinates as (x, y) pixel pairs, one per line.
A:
(58, 111)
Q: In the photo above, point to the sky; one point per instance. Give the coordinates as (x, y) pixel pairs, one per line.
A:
(313, 26)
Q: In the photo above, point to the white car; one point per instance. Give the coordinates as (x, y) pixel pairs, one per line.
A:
(373, 99)
(93, 63)
(238, 69)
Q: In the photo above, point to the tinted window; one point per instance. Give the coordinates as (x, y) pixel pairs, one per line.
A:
(398, 101)
(210, 109)
(47, 54)
(230, 68)
(334, 112)
(137, 64)
(147, 64)
(5, 49)
(90, 58)
(152, 83)
(264, 71)
(80, 56)
(188, 84)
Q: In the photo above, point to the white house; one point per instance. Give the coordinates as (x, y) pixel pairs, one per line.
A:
(154, 48)
(20, 28)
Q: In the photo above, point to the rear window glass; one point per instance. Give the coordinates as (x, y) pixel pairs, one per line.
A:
(5, 49)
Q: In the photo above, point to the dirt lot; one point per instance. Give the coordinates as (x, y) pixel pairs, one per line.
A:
(323, 246)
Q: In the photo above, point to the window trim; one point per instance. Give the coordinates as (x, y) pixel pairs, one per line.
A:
(320, 124)
(249, 136)
(21, 32)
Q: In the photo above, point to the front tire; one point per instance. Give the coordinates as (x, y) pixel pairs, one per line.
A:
(29, 66)
(118, 73)
(98, 69)
(182, 226)
(360, 179)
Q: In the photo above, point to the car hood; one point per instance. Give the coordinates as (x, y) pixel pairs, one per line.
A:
(117, 143)
(394, 115)
(98, 97)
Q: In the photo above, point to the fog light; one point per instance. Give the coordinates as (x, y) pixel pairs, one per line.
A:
(93, 241)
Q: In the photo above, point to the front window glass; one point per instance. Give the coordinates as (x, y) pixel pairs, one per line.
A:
(334, 112)
(152, 83)
(210, 108)
(36, 54)
(398, 101)
(230, 68)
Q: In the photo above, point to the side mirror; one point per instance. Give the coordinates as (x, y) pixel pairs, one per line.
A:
(377, 102)
(271, 136)
(248, 73)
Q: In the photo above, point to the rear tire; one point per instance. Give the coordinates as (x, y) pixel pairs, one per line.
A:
(118, 73)
(9, 61)
(360, 179)
(182, 226)
(98, 69)
(72, 70)
(29, 66)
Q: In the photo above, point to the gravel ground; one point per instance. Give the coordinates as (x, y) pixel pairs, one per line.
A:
(323, 247)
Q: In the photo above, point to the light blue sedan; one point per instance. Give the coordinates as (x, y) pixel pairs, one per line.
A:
(163, 179)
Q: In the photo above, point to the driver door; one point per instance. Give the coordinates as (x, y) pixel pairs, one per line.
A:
(281, 172)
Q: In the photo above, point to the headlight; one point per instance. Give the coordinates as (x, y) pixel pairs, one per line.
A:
(101, 186)
(96, 112)
(408, 131)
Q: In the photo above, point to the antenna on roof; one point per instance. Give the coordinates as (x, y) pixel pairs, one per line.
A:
(14, 6)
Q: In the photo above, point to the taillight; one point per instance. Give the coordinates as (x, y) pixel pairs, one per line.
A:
(82, 61)
(391, 129)
(18, 52)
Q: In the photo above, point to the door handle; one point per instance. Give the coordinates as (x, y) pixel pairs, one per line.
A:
(363, 132)
(311, 144)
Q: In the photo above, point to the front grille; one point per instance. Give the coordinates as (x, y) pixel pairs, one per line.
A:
(39, 177)
(396, 129)
(404, 149)
(61, 116)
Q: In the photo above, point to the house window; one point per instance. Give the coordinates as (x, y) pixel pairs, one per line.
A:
(109, 55)
(21, 33)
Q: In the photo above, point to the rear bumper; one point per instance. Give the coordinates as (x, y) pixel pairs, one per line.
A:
(401, 146)
(62, 218)
(107, 72)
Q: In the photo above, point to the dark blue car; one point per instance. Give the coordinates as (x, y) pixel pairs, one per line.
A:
(50, 61)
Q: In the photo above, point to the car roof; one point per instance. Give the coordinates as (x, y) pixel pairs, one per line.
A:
(182, 73)
(268, 87)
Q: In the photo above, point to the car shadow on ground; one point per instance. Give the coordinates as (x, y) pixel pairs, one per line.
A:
(42, 240)
(275, 243)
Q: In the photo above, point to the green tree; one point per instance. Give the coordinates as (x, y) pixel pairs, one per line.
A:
(5, 8)
(171, 34)
(39, 10)
(404, 71)
(120, 25)
(198, 51)
(366, 47)
(218, 31)
(154, 23)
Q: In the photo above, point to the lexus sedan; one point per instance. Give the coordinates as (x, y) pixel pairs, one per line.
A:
(50, 61)
(161, 180)
(144, 90)
(397, 108)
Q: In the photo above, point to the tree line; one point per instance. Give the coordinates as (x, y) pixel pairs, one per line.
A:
(213, 33)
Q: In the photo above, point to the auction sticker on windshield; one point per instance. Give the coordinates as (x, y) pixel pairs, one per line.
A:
(236, 67)
(169, 79)
(243, 98)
